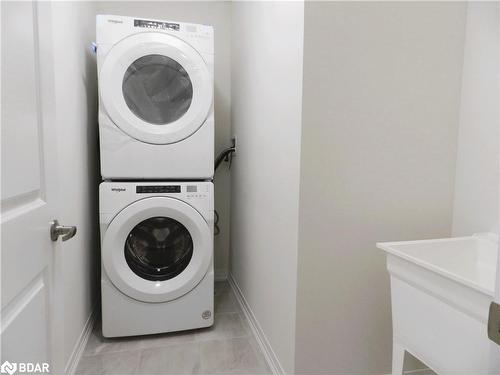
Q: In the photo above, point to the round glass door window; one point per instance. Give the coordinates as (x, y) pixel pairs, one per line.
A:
(158, 248)
(157, 89)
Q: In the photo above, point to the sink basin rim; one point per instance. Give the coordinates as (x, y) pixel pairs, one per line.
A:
(392, 248)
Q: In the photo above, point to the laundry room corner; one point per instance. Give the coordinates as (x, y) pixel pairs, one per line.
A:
(250, 187)
(75, 86)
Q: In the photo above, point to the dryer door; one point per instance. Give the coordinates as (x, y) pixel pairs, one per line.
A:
(157, 249)
(156, 88)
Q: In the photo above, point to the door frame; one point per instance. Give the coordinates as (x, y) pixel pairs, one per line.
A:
(495, 348)
(48, 103)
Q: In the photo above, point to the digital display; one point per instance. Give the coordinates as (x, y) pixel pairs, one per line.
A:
(156, 25)
(191, 188)
(149, 189)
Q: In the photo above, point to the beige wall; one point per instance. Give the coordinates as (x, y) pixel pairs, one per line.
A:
(477, 184)
(380, 112)
(217, 14)
(266, 104)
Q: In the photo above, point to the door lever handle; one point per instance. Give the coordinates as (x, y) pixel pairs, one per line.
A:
(57, 230)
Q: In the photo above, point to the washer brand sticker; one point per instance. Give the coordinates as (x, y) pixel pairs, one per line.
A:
(115, 21)
(118, 189)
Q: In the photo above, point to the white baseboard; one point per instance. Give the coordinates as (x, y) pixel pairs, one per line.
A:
(81, 343)
(270, 356)
(220, 275)
(420, 371)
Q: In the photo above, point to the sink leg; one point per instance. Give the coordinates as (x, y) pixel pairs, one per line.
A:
(398, 358)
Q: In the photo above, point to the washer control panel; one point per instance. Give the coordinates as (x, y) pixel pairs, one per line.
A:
(197, 191)
(149, 189)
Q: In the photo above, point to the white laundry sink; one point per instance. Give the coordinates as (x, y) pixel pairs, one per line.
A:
(441, 290)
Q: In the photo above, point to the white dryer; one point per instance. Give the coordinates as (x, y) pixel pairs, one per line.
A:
(156, 114)
(157, 257)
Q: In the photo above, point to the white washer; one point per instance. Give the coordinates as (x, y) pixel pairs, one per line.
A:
(157, 257)
(156, 115)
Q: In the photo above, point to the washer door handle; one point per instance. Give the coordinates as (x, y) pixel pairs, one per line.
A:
(57, 230)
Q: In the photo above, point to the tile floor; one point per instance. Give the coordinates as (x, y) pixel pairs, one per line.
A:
(228, 347)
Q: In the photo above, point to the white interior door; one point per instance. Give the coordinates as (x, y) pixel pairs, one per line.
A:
(28, 183)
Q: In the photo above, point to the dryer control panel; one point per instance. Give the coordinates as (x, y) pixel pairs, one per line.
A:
(148, 189)
(156, 25)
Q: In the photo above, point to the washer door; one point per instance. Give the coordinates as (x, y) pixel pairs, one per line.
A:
(157, 249)
(156, 88)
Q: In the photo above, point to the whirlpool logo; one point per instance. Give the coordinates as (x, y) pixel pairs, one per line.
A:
(118, 189)
(24, 368)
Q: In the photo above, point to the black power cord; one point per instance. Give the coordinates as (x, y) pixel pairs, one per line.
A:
(225, 155)
(216, 222)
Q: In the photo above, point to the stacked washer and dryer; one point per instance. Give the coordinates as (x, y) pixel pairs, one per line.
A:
(156, 129)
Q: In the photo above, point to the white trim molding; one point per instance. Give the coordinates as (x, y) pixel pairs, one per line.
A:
(421, 371)
(260, 336)
(76, 355)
